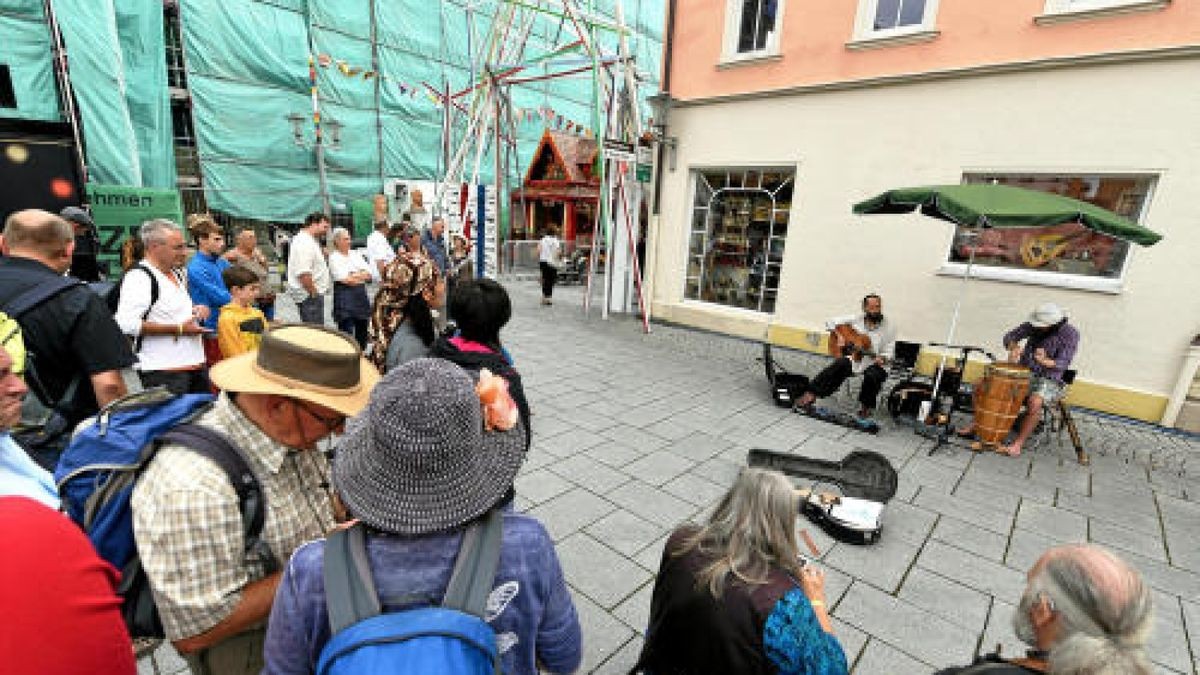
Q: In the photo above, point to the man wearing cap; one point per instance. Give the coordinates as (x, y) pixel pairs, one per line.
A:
(277, 404)
(423, 462)
(1049, 347)
(84, 263)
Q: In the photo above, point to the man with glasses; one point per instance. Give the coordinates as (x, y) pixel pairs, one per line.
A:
(277, 404)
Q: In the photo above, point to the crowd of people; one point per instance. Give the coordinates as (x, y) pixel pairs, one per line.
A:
(385, 452)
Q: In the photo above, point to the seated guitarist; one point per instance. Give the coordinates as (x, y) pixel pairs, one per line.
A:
(1049, 346)
(876, 326)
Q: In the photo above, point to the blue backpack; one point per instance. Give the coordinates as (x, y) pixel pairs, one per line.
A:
(451, 639)
(98, 470)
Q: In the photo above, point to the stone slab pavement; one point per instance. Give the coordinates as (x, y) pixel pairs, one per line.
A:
(634, 434)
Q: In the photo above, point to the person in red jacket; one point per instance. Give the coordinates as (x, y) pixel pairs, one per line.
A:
(63, 614)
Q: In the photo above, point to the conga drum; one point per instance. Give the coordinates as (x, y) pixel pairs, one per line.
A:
(999, 397)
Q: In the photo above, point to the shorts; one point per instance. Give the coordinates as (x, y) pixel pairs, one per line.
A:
(1049, 390)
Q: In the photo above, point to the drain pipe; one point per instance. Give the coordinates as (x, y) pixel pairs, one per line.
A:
(650, 270)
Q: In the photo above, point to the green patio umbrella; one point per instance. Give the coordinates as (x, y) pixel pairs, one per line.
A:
(989, 205)
(1001, 206)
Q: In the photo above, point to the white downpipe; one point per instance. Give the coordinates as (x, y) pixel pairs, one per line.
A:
(1187, 376)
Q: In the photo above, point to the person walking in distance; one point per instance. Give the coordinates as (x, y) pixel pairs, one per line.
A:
(157, 312)
(308, 273)
(549, 258)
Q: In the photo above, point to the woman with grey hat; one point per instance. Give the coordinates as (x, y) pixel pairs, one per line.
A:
(419, 465)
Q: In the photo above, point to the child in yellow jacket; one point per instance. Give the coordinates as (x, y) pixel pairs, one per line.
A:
(241, 326)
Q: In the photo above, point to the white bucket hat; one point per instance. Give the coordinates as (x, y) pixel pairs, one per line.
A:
(1047, 314)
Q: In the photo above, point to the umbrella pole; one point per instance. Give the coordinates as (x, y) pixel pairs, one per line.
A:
(937, 380)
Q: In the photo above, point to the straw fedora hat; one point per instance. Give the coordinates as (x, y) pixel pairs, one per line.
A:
(305, 362)
(1046, 314)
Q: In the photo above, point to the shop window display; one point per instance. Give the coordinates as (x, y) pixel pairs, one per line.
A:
(738, 232)
(1064, 249)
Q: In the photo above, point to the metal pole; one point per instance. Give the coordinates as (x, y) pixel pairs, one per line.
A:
(319, 145)
(66, 92)
(937, 381)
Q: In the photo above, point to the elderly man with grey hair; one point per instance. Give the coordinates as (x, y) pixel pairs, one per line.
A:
(156, 310)
(1084, 612)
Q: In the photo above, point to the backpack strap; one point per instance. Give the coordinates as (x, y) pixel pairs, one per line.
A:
(350, 594)
(475, 567)
(39, 294)
(137, 342)
(216, 446)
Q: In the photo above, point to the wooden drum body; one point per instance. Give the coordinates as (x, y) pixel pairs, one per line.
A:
(998, 401)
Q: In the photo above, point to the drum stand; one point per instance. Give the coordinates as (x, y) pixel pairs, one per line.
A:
(940, 431)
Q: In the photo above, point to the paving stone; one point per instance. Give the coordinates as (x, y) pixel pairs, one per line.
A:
(570, 511)
(650, 558)
(635, 438)
(635, 610)
(880, 658)
(948, 599)
(646, 415)
(989, 463)
(719, 470)
(997, 520)
(574, 441)
(1168, 644)
(1149, 544)
(597, 571)
(882, 564)
(547, 426)
(1016, 486)
(923, 634)
(615, 454)
(910, 523)
(603, 634)
(924, 471)
(588, 473)
(1025, 547)
(1169, 578)
(1181, 521)
(623, 660)
(852, 639)
(698, 447)
(972, 571)
(1137, 499)
(694, 489)
(819, 447)
(658, 467)
(1113, 513)
(1000, 632)
(970, 538)
(670, 429)
(625, 532)
(652, 504)
(982, 492)
(1057, 523)
(591, 420)
(162, 661)
(1191, 616)
(539, 486)
(1071, 477)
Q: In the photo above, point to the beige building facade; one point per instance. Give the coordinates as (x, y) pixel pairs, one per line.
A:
(755, 235)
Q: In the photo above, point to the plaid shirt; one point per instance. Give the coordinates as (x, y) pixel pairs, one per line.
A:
(189, 529)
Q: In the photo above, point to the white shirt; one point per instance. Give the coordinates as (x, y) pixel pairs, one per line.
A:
(173, 307)
(378, 250)
(305, 257)
(343, 265)
(883, 336)
(549, 249)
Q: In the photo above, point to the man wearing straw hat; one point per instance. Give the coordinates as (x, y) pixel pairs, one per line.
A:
(277, 404)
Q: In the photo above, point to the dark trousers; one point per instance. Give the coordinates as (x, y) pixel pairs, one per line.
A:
(357, 328)
(828, 380)
(178, 381)
(549, 276)
(312, 310)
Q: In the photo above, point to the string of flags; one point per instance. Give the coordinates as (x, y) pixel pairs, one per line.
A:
(544, 115)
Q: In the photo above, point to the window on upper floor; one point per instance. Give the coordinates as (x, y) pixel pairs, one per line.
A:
(894, 21)
(752, 29)
(1066, 10)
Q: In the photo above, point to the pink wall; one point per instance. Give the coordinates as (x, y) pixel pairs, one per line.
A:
(973, 32)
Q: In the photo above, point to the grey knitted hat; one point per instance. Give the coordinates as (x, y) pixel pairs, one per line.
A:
(417, 459)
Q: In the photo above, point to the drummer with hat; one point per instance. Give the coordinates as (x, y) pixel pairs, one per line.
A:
(277, 404)
(1045, 344)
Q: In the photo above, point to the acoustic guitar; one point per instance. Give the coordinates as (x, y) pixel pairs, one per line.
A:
(845, 341)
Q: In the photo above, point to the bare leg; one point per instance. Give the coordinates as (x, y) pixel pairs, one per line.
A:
(1033, 413)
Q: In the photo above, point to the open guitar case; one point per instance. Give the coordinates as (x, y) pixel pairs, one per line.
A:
(866, 479)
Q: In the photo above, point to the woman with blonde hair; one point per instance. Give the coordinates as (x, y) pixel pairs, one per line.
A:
(734, 596)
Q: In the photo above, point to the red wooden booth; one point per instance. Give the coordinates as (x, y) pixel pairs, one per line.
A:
(560, 186)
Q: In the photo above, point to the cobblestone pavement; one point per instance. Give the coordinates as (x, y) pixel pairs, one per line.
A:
(634, 434)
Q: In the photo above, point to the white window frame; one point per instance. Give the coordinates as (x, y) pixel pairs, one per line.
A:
(1058, 11)
(733, 25)
(1113, 286)
(865, 34)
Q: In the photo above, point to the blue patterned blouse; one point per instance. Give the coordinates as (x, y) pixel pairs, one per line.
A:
(795, 642)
